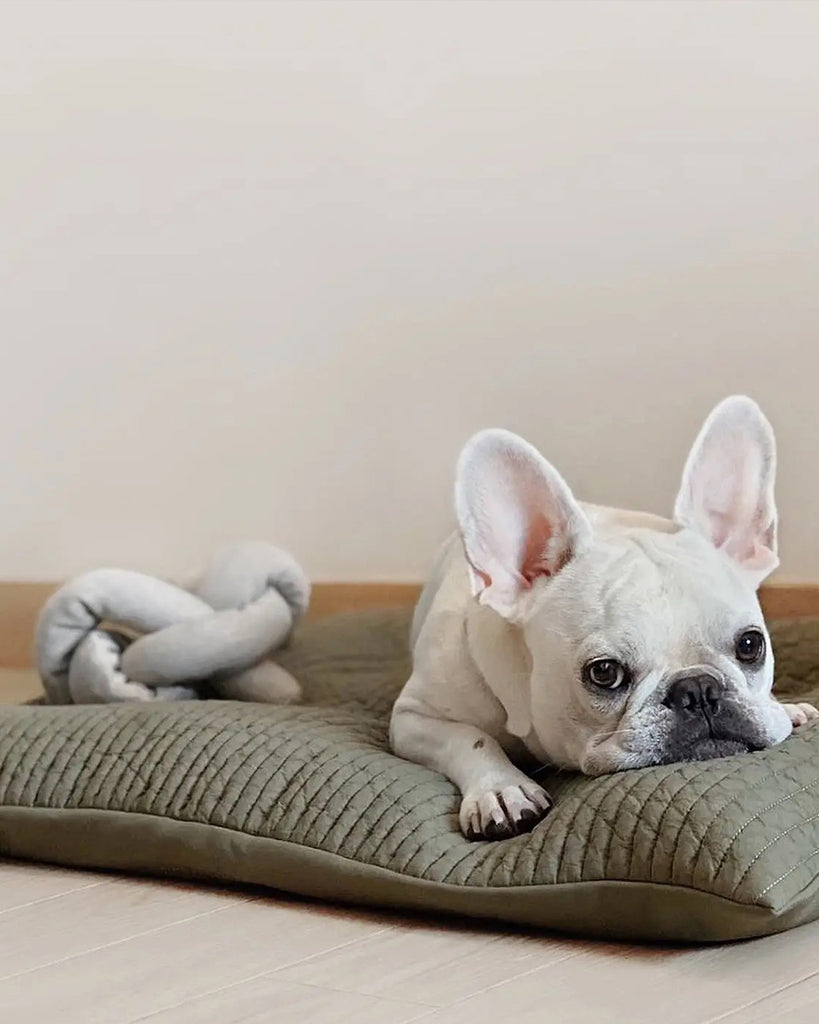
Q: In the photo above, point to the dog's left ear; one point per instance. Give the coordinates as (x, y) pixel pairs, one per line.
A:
(727, 489)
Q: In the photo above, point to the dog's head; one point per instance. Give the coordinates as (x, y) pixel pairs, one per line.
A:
(646, 638)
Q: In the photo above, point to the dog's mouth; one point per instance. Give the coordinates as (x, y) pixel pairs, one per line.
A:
(712, 747)
(686, 742)
(709, 747)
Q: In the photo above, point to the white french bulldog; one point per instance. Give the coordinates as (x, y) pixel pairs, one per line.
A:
(600, 639)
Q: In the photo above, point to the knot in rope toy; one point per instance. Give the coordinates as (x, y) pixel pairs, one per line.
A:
(112, 635)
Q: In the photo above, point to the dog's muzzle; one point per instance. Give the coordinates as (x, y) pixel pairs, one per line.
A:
(708, 722)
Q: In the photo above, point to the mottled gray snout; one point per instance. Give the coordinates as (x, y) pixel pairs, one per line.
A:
(695, 692)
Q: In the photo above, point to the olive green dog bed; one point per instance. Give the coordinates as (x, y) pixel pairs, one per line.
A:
(307, 799)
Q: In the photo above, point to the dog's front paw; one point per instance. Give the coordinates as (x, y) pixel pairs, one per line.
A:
(801, 714)
(503, 812)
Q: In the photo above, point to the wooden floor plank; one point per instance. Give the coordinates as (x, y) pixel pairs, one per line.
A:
(644, 985)
(797, 1003)
(23, 884)
(53, 930)
(174, 964)
(429, 963)
(117, 952)
(268, 999)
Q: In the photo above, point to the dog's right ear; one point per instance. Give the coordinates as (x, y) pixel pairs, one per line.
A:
(727, 491)
(518, 519)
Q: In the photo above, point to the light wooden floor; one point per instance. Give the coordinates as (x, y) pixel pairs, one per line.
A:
(84, 948)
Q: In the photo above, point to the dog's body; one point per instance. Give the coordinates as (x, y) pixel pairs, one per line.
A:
(601, 639)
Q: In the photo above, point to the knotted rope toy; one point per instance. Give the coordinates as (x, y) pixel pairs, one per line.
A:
(112, 635)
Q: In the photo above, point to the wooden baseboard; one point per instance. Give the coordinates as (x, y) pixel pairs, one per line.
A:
(20, 603)
(329, 598)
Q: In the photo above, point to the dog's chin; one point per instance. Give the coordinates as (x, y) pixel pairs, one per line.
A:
(708, 748)
(677, 749)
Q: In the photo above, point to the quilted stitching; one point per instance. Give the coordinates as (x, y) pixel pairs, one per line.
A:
(320, 774)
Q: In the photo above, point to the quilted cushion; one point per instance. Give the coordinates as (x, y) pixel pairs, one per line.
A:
(309, 800)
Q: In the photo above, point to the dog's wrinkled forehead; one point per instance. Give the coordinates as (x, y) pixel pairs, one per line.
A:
(646, 592)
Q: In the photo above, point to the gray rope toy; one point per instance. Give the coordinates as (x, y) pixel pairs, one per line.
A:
(112, 635)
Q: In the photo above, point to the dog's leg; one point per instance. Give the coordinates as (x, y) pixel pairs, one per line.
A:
(498, 800)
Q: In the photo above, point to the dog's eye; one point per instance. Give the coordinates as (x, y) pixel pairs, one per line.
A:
(750, 647)
(606, 673)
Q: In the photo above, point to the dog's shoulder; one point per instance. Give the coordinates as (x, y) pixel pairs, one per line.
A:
(446, 593)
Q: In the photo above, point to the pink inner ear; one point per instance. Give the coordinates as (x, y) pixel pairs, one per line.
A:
(719, 528)
(753, 548)
(728, 496)
(535, 555)
(484, 577)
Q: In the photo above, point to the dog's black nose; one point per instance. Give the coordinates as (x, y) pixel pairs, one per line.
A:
(695, 694)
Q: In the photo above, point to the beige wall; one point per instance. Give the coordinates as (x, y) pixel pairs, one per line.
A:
(264, 267)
